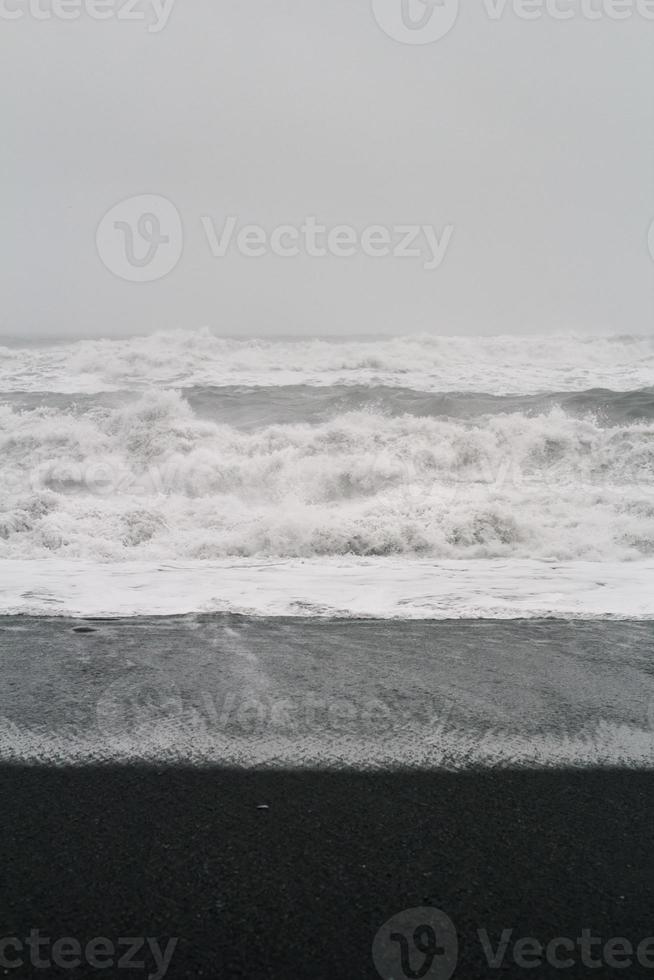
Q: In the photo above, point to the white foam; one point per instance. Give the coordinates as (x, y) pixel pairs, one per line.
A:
(498, 365)
(367, 588)
(436, 747)
(151, 481)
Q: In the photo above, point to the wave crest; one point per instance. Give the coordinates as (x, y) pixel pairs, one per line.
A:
(151, 480)
(497, 365)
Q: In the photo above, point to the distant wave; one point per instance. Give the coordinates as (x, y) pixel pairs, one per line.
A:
(250, 408)
(152, 479)
(497, 365)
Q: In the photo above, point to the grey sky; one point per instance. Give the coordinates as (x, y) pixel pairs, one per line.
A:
(533, 139)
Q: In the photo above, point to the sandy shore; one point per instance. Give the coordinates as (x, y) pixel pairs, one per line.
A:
(277, 865)
(235, 691)
(301, 888)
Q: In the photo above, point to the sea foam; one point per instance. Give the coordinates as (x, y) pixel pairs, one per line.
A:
(498, 365)
(152, 480)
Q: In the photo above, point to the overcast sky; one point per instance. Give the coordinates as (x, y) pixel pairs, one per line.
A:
(532, 141)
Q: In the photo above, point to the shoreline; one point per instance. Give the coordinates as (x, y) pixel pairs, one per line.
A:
(293, 870)
(304, 693)
(388, 588)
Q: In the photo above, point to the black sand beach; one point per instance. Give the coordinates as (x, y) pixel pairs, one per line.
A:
(291, 871)
(300, 889)
(292, 691)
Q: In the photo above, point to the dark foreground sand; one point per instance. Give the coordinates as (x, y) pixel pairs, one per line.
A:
(301, 887)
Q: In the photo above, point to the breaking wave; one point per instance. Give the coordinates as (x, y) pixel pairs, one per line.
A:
(497, 365)
(150, 479)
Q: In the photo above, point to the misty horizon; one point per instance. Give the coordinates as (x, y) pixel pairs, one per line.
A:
(530, 140)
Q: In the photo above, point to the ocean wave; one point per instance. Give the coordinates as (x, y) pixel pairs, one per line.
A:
(150, 479)
(497, 365)
(248, 408)
(251, 408)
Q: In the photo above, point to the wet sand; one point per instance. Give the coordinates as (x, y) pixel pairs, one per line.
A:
(237, 691)
(279, 867)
